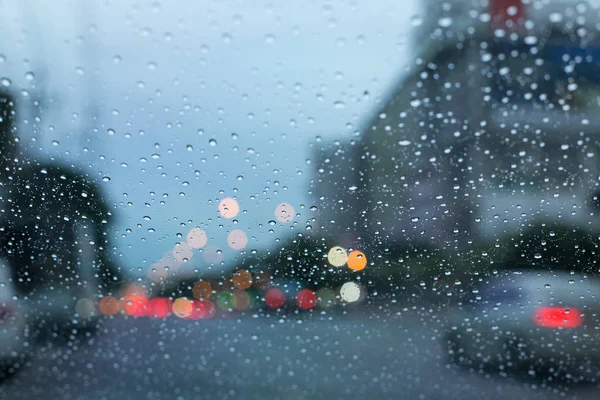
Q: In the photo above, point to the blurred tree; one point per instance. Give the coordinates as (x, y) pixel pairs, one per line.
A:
(44, 205)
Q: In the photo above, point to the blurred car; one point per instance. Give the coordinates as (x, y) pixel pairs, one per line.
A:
(13, 325)
(69, 305)
(540, 323)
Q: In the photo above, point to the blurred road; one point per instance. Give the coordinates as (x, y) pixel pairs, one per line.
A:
(394, 355)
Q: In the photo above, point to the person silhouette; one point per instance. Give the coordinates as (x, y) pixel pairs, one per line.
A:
(54, 223)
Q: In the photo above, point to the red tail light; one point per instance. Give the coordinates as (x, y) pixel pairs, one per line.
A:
(557, 317)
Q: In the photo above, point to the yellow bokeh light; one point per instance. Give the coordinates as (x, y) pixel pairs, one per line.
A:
(196, 238)
(284, 212)
(337, 256)
(237, 239)
(182, 307)
(229, 207)
(357, 261)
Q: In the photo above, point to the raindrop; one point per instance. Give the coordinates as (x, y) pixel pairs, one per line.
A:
(106, 179)
(5, 82)
(416, 20)
(339, 104)
(29, 76)
(445, 22)
(270, 38)
(147, 218)
(415, 219)
(111, 132)
(227, 38)
(537, 256)
(212, 142)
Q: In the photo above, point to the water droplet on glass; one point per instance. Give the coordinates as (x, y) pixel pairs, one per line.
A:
(5, 82)
(270, 38)
(537, 256)
(212, 142)
(416, 20)
(227, 38)
(445, 22)
(29, 76)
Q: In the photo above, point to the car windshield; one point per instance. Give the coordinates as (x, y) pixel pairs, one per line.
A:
(300, 199)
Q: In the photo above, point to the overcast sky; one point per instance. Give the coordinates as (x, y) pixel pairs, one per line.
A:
(263, 79)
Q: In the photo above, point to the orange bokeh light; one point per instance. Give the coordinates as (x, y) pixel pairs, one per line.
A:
(202, 290)
(357, 261)
(262, 280)
(135, 305)
(284, 212)
(237, 239)
(242, 279)
(108, 305)
(196, 238)
(182, 307)
(229, 207)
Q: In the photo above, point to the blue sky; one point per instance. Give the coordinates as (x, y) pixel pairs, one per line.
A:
(261, 79)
